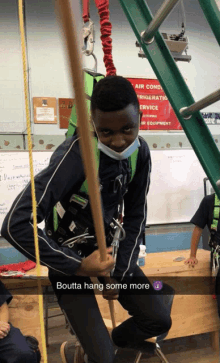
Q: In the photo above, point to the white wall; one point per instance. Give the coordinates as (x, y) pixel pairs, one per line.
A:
(11, 79)
(48, 68)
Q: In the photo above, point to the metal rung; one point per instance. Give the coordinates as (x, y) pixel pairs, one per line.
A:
(187, 112)
(162, 13)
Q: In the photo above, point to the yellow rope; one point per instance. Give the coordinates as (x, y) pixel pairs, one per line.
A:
(34, 205)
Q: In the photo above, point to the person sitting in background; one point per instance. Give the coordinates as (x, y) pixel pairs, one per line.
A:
(14, 346)
(207, 214)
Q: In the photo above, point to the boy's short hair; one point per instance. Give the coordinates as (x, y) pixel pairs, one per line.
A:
(113, 93)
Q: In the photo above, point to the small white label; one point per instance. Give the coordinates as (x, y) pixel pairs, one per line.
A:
(60, 210)
(72, 226)
(142, 252)
(45, 114)
(142, 248)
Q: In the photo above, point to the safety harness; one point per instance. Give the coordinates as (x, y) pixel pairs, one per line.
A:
(213, 243)
(90, 80)
(216, 212)
(73, 224)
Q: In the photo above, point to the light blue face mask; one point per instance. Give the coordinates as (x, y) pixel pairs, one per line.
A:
(119, 156)
(114, 154)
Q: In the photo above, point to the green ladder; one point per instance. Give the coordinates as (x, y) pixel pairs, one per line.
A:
(186, 109)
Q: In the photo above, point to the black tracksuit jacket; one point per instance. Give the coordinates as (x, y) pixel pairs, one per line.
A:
(65, 174)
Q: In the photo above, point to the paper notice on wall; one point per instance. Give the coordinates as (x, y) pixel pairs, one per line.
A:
(45, 113)
(15, 175)
(218, 4)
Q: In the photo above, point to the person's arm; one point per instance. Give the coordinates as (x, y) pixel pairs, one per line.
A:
(200, 220)
(64, 172)
(4, 313)
(5, 298)
(4, 318)
(135, 212)
(197, 232)
(93, 266)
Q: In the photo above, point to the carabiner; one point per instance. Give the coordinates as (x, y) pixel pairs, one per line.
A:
(88, 38)
(122, 237)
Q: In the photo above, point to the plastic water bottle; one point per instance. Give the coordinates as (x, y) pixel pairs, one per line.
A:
(141, 256)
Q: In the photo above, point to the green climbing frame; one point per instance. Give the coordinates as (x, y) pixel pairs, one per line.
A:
(170, 78)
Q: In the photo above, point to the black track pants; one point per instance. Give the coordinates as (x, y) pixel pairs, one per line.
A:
(149, 318)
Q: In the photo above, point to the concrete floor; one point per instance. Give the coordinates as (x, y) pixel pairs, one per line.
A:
(193, 349)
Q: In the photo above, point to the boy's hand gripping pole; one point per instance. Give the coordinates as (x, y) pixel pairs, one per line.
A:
(68, 15)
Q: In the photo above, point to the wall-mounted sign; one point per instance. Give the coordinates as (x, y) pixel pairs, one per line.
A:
(157, 113)
(211, 118)
(65, 108)
(45, 110)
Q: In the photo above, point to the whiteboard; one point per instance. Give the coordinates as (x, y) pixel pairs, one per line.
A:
(176, 188)
(15, 174)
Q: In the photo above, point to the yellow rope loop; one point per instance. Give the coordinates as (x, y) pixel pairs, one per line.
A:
(34, 205)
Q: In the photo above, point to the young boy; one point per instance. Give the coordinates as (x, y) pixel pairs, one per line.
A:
(13, 344)
(70, 248)
(206, 215)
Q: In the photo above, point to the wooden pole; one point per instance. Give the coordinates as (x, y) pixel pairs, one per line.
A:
(68, 16)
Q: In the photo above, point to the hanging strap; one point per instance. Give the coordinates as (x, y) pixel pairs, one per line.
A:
(132, 163)
(84, 187)
(216, 212)
(106, 27)
(86, 15)
(90, 80)
(55, 219)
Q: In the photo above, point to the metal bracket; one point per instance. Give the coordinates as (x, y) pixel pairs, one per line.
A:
(149, 41)
(185, 117)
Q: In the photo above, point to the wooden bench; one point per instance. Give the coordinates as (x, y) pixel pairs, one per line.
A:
(191, 314)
